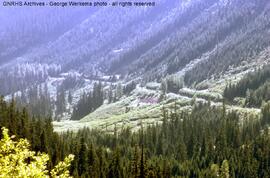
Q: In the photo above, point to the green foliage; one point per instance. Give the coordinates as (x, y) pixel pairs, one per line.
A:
(16, 160)
(254, 87)
(204, 143)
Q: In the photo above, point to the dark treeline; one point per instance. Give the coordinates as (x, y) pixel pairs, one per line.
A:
(20, 77)
(255, 98)
(208, 142)
(72, 81)
(37, 100)
(13, 82)
(88, 102)
(254, 87)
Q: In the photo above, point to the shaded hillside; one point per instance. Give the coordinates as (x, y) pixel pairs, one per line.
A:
(23, 29)
(227, 34)
(138, 42)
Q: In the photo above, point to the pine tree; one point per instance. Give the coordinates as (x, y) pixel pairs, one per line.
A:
(135, 163)
(92, 161)
(82, 158)
(60, 101)
(69, 97)
(115, 168)
(142, 167)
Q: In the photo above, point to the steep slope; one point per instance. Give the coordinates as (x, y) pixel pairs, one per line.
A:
(141, 42)
(227, 33)
(201, 44)
(84, 39)
(23, 29)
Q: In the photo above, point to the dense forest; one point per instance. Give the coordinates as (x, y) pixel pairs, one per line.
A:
(254, 87)
(210, 34)
(88, 102)
(208, 142)
(154, 75)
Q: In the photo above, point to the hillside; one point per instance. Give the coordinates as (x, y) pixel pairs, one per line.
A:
(179, 89)
(193, 48)
(158, 41)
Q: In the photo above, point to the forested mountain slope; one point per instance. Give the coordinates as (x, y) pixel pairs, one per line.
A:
(176, 90)
(151, 42)
(254, 88)
(190, 44)
(204, 143)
